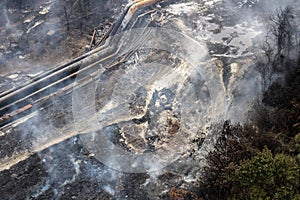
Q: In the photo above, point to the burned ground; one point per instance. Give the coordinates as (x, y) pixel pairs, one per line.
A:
(38, 35)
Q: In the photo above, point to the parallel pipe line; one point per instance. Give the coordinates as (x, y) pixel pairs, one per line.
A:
(20, 99)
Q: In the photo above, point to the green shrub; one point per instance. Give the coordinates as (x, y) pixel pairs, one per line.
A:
(267, 177)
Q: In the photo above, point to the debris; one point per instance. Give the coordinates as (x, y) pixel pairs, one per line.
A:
(36, 24)
(51, 32)
(93, 38)
(91, 155)
(45, 10)
(29, 19)
(13, 76)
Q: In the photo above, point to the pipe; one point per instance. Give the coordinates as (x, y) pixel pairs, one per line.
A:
(17, 98)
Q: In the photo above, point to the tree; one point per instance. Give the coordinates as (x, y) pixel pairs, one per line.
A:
(283, 28)
(280, 46)
(260, 160)
(232, 146)
(267, 177)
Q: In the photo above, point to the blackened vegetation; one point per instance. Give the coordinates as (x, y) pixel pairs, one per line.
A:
(261, 159)
(39, 34)
(281, 47)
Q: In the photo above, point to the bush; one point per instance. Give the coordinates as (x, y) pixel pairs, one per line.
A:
(260, 160)
(267, 177)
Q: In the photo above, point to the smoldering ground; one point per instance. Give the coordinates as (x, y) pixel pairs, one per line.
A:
(67, 170)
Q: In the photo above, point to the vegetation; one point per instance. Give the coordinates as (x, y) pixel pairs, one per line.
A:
(261, 159)
(266, 177)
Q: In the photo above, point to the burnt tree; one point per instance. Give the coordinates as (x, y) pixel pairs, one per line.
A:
(280, 47)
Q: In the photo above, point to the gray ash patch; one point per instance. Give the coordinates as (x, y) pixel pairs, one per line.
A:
(65, 171)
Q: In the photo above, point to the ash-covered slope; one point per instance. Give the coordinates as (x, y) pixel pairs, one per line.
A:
(141, 104)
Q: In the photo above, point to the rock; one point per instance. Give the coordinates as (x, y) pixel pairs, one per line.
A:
(36, 24)
(13, 76)
(22, 57)
(51, 32)
(234, 68)
(29, 19)
(45, 10)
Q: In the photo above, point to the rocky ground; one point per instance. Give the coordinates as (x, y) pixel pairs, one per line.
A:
(39, 160)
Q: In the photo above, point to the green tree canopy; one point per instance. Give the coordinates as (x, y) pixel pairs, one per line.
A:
(267, 177)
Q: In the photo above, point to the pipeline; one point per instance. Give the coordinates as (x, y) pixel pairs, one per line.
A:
(21, 100)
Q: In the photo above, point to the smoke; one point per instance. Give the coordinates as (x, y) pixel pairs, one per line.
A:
(244, 28)
(248, 87)
(7, 22)
(231, 36)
